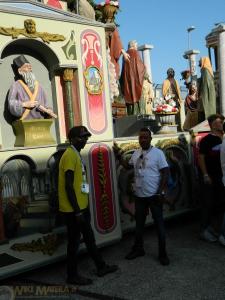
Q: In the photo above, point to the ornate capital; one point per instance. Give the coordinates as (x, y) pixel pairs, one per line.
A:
(68, 75)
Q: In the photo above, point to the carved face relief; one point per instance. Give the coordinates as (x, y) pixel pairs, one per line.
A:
(30, 26)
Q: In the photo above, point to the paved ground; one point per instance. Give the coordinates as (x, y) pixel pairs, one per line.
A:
(197, 271)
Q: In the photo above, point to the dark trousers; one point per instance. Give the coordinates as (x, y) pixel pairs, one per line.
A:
(141, 210)
(74, 230)
(211, 202)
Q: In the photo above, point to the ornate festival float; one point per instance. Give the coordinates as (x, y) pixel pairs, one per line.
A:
(67, 53)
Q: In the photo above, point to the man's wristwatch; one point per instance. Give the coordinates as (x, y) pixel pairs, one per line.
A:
(160, 194)
(78, 214)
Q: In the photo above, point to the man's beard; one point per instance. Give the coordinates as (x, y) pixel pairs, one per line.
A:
(29, 79)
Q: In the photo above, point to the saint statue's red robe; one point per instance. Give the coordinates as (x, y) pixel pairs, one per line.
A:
(54, 3)
(115, 46)
(132, 77)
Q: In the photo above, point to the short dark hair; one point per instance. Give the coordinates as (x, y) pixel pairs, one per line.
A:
(213, 117)
(78, 131)
(170, 71)
(146, 129)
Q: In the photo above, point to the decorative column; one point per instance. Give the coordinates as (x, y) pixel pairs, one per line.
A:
(221, 64)
(191, 56)
(2, 234)
(145, 49)
(68, 77)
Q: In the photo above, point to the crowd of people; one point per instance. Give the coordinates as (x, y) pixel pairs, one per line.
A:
(149, 164)
(151, 173)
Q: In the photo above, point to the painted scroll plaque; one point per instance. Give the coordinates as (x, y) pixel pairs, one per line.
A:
(92, 63)
(103, 198)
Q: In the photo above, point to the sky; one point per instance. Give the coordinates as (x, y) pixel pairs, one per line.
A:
(164, 24)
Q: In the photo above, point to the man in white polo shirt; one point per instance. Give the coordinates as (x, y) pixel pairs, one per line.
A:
(150, 174)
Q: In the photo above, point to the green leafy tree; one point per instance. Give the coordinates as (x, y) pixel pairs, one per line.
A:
(93, 4)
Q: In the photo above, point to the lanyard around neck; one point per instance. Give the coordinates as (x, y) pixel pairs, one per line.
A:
(84, 177)
(145, 152)
(140, 164)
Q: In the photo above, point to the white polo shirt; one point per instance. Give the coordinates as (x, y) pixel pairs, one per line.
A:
(147, 166)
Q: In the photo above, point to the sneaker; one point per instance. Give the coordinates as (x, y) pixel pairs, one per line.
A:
(212, 231)
(106, 269)
(221, 239)
(164, 260)
(134, 253)
(79, 280)
(208, 236)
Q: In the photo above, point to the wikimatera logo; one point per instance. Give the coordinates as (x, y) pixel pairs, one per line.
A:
(42, 290)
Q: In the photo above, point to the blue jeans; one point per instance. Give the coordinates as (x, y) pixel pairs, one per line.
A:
(141, 209)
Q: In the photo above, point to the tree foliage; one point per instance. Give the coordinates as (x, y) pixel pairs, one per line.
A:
(92, 2)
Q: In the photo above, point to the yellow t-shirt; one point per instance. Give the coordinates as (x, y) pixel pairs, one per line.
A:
(71, 161)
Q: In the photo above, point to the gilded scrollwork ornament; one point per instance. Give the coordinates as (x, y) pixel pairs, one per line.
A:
(104, 200)
(29, 31)
(68, 74)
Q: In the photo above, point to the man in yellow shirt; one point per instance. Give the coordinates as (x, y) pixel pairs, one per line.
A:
(73, 204)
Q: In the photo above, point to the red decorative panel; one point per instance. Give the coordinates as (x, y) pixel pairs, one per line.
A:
(102, 188)
(92, 62)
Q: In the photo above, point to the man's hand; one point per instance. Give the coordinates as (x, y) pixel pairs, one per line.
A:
(80, 218)
(160, 198)
(207, 179)
(125, 55)
(30, 104)
(47, 111)
(51, 113)
(117, 151)
(116, 148)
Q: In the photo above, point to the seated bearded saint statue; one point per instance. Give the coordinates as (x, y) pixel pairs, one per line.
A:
(27, 99)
